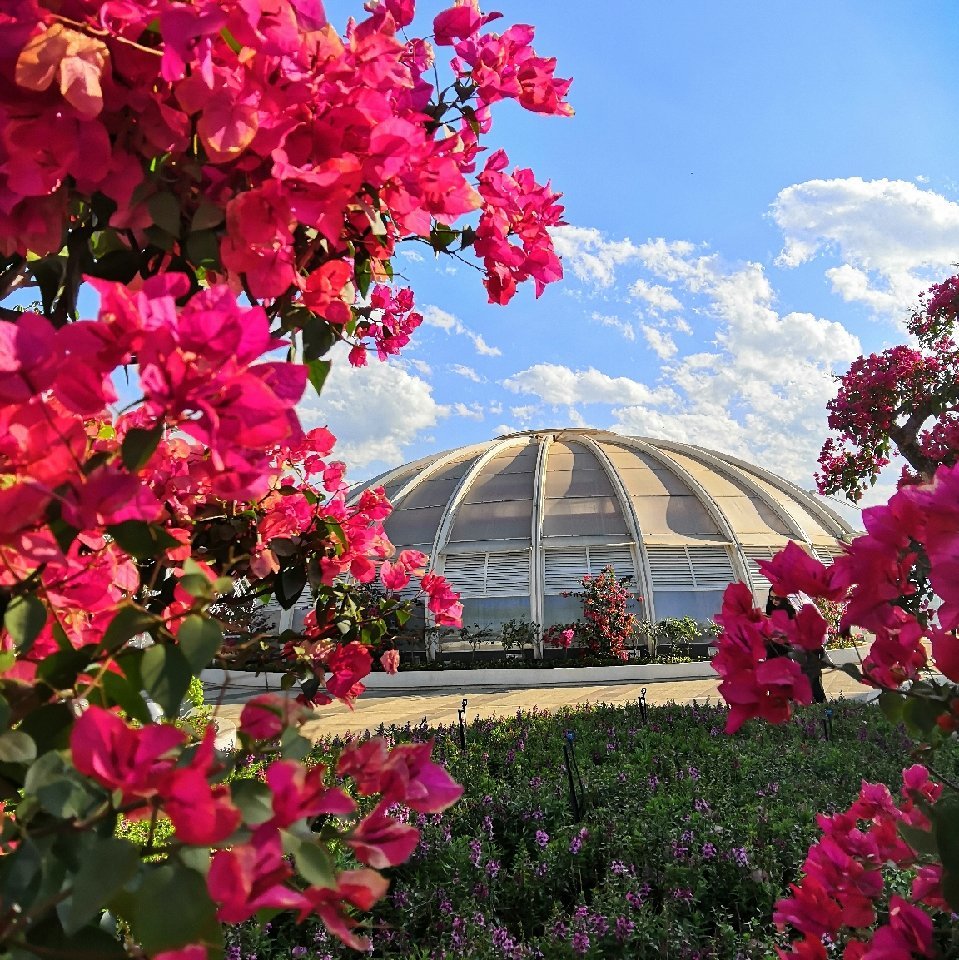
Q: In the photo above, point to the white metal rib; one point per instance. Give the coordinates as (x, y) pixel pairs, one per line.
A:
(632, 524)
(701, 494)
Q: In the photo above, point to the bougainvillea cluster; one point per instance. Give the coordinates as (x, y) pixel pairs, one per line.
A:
(898, 582)
(229, 180)
(606, 626)
(903, 400)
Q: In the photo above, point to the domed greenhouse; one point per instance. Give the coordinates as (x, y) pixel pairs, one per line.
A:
(514, 523)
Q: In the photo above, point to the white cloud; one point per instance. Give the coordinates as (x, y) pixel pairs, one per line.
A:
(590, 256)
(662, 344)
(411, 255)
(892, 238)
(375, 411)
(526, 413)
(563, 386)
(482, 347)
(468, 372)
(658, 299)
(434, 316)
(761, 392)
(623, 326)
(472, 412)
(420, 366)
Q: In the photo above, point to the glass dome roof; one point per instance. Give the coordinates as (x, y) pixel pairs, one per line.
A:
(516, 522)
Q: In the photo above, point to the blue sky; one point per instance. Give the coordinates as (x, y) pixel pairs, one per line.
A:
(756, 192)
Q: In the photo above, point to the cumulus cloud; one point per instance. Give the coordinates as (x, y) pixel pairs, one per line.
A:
(623, 326)
(590, 255)
(434, 316)
(662, 344)
(472, 412)
(657, 298)
(420, 366)
(892, 238)
(468, 372)
(562, 386)
(761, 392)
(376, 412)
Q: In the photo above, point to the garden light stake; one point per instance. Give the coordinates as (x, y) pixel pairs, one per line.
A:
(577, 793)
(462, 715)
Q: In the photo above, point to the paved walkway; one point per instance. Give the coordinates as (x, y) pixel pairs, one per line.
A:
(440, 705)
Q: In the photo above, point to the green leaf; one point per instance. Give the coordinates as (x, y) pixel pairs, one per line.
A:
(138, 446)
(922, 841)
(159, 238)
(315, 865)
(49, 726)
(318, 337)
(852, 669)
(199, 640)
(207, 216)
(165, 210)
(51, 941)
(121, 266)
(141, 539)
(173, 908)
(945, 819)
(891, 704)
(60, 670)
(24, 619)
(289, 584)
(319, 370)
(921, 713)
(293, 746)
(253, 799)
(129, 620)
(362, 277)
(118, 690)
(166, 677)
(17, 747)
(106, 864)
(203, 248)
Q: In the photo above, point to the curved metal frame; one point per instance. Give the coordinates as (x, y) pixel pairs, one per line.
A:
(701, 494)
(640, 557)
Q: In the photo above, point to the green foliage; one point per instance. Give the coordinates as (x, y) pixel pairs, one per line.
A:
(690, 836)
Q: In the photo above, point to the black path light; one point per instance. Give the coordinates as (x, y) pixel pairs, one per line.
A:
(577, 792)
(643, 712)
(827, 724)
(462, 715)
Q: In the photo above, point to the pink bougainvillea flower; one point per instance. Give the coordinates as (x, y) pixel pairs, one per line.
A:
(362, 888)
(252, 876)
(121, 758)
(390, 661)
(793, 570)
(379, 841)
(28, 360)
(299, 792)
(267, 715)
(908, 933)
(193, 951)
(348, 665)
(74, 60)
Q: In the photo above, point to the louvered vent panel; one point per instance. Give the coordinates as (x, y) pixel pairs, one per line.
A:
(507, 574)
(564, 570)
(619, 558)
(466, 573)
(711, 567)
(670, 568)
(752, 554)
(827, 554)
